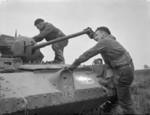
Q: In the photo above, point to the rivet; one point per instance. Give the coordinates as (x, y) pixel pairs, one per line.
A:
(69, 100)
(75, 100)
(53, 103)
(36, 106)
(6, 101)
(45, 104)
(14, 92)
(7, 110)
(18, 103)
(2, 78)
(17, 109)
(35, 97)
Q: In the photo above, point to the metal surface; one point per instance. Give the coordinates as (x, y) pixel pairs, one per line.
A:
(35, 90)
(49, 89)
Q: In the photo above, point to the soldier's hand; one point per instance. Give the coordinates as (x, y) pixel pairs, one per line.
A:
(90, 33)
(74, 65)
(88, 28)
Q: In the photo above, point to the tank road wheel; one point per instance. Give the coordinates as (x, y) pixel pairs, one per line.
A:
(111, 107)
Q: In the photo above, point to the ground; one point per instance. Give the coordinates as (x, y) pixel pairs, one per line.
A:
(141, 91)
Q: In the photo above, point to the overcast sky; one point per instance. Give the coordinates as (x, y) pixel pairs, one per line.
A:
(128, 20)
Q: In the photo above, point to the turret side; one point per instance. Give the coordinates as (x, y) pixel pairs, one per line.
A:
(5, 45)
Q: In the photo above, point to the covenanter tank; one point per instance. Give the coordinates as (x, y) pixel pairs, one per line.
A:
(31, 87)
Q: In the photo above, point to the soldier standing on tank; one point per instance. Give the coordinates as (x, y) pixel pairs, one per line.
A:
(50, 32)
(118, 59)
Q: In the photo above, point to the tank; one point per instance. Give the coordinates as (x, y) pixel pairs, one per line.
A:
(29, 86)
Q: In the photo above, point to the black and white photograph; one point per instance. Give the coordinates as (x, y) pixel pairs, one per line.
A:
(74, 57)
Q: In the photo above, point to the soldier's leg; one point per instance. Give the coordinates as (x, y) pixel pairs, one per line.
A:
(125, 100)
(58, 53)
(124, 91)
(58, 49)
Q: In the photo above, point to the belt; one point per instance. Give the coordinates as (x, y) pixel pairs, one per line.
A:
(118, 67)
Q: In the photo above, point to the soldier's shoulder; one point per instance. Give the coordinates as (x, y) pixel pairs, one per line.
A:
(104, 40)
(110, 37)
(48, 25)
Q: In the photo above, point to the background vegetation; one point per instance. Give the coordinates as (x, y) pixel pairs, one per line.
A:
(141, 91)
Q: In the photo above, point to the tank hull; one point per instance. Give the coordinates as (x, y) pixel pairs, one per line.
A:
(42, 91)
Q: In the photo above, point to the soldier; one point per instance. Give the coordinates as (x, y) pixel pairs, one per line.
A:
(50, 32)
(118, 59)
(98, 61)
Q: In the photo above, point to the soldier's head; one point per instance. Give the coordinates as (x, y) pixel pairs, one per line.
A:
(101, 32)
(39, 23)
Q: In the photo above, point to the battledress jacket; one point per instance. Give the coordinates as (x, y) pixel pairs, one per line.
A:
(49, 32)
(113, 53)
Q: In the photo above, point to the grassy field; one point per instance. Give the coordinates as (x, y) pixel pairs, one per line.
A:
(141, 91)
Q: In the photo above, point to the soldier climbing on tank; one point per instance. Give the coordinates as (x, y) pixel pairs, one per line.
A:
(118, 59)
(50, 32)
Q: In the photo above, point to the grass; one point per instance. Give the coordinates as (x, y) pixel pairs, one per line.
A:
(141, 91)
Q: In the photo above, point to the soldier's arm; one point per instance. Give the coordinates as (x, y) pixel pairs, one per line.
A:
(98, 48)
(47, 30)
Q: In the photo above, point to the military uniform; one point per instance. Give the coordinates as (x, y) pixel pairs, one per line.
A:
(50, 32)
(115, 55)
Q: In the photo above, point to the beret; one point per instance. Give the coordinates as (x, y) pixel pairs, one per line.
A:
(103, 28)
(37, 21)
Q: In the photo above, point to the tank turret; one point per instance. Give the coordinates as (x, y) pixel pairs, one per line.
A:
(28, 49)
(5, 45)
(8, 42)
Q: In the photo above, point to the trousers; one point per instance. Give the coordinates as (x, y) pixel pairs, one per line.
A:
(123, 79)
(58, 48)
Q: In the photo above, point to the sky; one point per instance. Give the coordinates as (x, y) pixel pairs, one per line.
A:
(128, 21)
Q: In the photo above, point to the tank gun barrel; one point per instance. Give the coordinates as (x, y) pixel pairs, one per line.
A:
(37, 46)
(27, 49)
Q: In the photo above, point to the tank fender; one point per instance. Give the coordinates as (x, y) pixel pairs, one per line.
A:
(64, 81)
